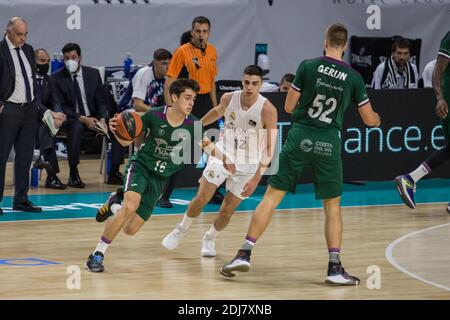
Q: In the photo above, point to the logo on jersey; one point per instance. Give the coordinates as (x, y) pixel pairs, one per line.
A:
(196, 62)
(306, 145)
(233, 116)
(161, 130)
(252, 123)
(162, 147)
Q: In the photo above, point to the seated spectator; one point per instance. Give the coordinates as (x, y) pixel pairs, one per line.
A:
(427, 74)
(79, 92)
(286, 82)
(397, 72)
(45, 98)
(148, 83)
(284, 85)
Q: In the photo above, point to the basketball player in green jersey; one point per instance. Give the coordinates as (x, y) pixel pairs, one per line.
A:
(167, 131)
(406, 184)
(322, 90)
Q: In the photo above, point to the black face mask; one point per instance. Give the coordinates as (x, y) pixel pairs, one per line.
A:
(42, 69)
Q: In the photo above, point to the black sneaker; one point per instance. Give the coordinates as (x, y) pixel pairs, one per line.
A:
(95, 262)
(336, 275)
(164, 203)
(104, 212)
(240, 263)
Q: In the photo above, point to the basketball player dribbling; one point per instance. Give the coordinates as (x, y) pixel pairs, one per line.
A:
(165, 130)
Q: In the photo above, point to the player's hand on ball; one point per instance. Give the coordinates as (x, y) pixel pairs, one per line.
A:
(113, 122)
(441, 108)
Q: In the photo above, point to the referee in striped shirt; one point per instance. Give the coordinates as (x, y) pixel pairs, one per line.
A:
(197, 60)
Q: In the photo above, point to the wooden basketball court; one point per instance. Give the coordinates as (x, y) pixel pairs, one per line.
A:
(410, 249)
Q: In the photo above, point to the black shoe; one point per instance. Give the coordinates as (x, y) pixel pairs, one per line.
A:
(240, 263)
(40, 163)
(26, 206)
(53, 182)
(75, 181)
(115, 178)
(164, 203)
(104, 212)
(1, 211)
(95, 262)
(217, 198)
(336, 275)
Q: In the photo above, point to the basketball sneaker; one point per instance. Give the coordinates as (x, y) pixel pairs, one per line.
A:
(406, 187)
(240, 263)
(173, 239)
(448, 208)
(95, 262)
(208, 246)
(104, 212)
(337, 275)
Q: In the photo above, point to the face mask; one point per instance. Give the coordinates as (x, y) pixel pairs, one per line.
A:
(71, 65)
(42, 69)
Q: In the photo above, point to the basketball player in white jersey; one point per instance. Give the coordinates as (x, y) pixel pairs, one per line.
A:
(248, 141)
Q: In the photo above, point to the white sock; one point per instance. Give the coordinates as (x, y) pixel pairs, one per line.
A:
(186, 223)
(420, 172)
(212, 232)
(102, 245)
(115, 208)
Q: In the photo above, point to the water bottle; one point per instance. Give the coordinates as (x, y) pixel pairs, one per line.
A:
(55, 63)
(221, 124)
(61, 61)
(127, 62)
(34, 177)
(108, 158)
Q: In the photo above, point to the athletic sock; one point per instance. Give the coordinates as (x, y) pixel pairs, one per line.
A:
(186, 223)
(212, 232)
(102, 245)
(115, 208)
(334, 254)
(420, 172)
(249, 243)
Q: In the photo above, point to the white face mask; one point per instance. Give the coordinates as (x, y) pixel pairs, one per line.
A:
(71, 65)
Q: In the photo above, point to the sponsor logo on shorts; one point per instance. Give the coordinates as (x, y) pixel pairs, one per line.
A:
(211, 174)
(306, 145)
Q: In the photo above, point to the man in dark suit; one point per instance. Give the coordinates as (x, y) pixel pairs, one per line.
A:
(79, 92)
(47, 104)
(18, 110)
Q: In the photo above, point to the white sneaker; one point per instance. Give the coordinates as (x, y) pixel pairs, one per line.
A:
(173, 239)
(208, 246)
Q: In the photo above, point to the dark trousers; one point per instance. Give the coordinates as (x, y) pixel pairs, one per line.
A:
(75, 131)
(18, 129)
(202, 106)
(47, 148)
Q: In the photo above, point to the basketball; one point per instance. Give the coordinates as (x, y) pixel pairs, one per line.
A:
(129, 125)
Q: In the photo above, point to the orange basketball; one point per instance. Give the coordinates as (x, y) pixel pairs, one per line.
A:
(129, 125)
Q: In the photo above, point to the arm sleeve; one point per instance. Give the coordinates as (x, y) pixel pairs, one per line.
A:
(140, 82)
(298, 83)
(176, 64)
(147, 119)
(444, 49)
(376, 81)
(360, 96)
